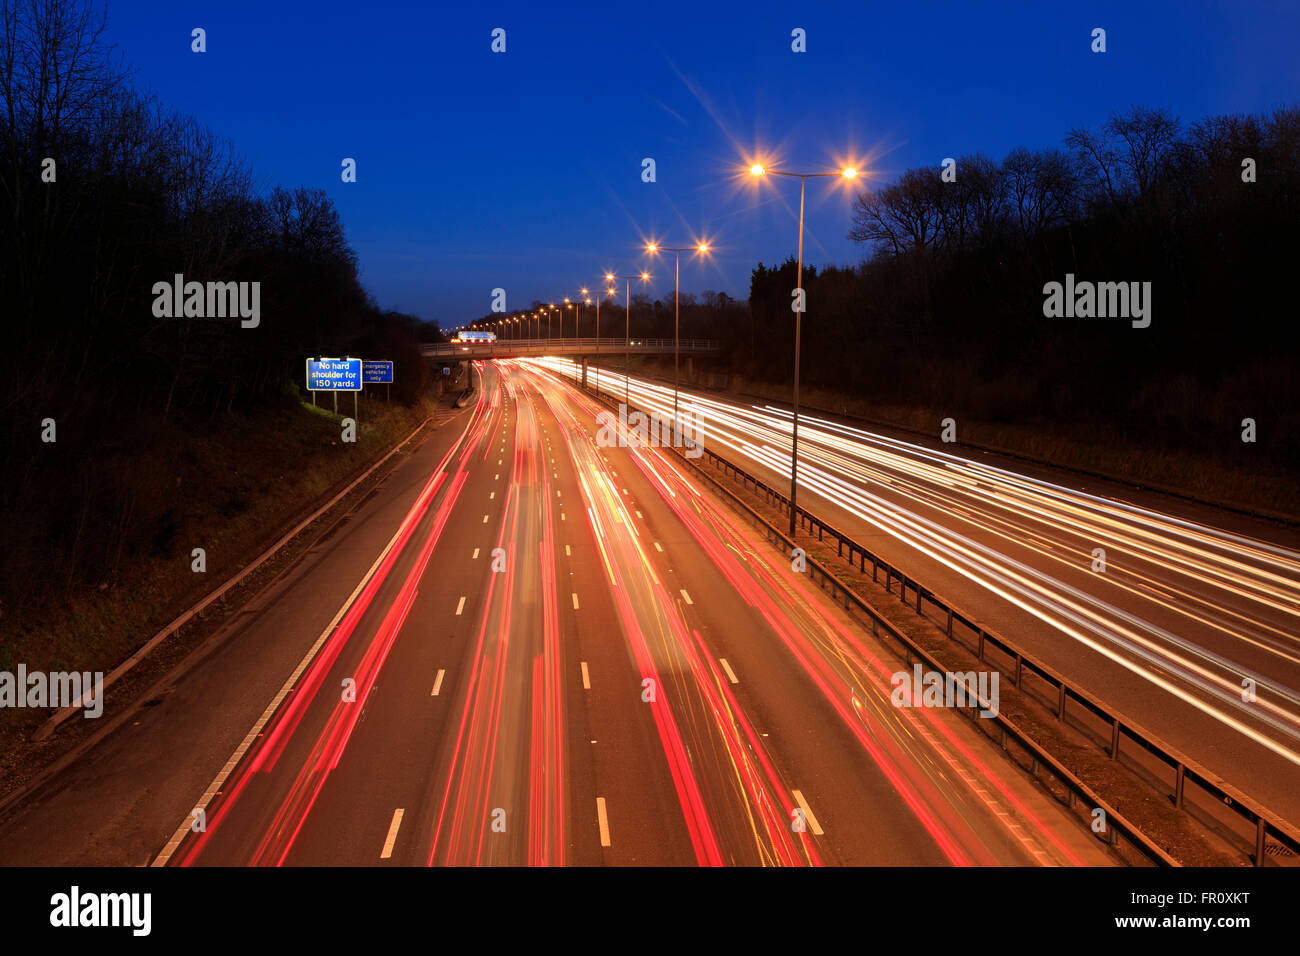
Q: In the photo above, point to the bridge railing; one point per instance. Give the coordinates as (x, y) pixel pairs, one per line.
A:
(560, 346)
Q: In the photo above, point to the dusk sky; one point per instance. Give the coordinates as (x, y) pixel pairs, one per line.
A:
(522, 170)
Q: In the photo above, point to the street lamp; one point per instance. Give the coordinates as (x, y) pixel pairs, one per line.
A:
(702, 248)
(586, 298)
(570, 305)
(627, 343)
(847, 172)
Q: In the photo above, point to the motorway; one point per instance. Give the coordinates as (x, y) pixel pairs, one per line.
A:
(529, 647)
(1192, 606)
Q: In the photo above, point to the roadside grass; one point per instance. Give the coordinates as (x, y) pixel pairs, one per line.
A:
(230, 490)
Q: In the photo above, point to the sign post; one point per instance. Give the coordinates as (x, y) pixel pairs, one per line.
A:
(379, 373)
(334, 375)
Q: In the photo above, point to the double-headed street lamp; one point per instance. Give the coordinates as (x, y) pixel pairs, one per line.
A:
(702, 248)
(627, 345)
(847, 172)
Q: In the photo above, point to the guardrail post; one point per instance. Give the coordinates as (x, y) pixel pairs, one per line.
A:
(1019, 668)
(1180, 782)
(950, 624)
(1259, 840)
(1114, 740)
(1060, 702)
(980, 648)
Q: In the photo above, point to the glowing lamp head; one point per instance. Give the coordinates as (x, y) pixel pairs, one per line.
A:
(609, 277)
(703, 247)
(651, 247)
(848, 172)
(645, 275)
(757, 170)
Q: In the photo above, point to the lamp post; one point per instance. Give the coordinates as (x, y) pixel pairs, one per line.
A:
(587, 299)
(847, 172)
(702, 248)
(627, 342)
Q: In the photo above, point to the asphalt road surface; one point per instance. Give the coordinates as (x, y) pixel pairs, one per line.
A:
(532, 645)
(1182, 617)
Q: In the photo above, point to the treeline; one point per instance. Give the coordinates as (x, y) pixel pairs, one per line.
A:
(946, 311)
(105, 193)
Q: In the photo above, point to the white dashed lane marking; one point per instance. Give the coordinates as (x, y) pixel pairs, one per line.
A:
(603, 821)
(392, 834)
(807, 812)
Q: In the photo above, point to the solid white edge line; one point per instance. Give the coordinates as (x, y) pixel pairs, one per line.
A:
(220, 779)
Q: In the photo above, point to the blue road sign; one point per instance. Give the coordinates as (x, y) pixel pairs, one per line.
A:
(377, 373)
(334, 375)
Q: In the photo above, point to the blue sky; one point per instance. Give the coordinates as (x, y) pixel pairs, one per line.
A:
(522, 170)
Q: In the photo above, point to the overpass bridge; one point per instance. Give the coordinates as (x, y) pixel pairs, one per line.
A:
(573, 348)
(585, 350)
